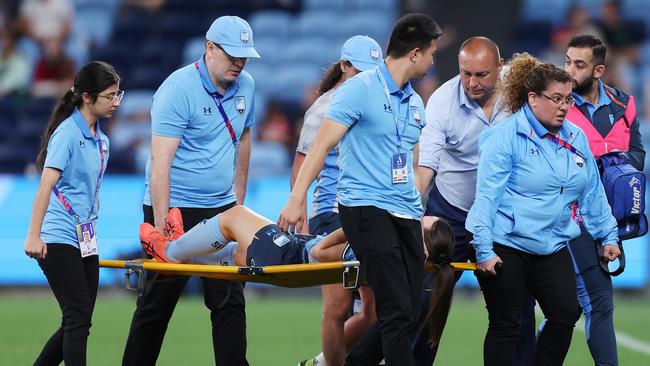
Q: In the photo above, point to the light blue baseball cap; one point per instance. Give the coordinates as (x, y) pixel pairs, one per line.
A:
(363, 52)
(234, 35)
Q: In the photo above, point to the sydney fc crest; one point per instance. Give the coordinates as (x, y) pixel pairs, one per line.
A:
(240, 104)
(244, 36)
(415, 111)
(374, 53)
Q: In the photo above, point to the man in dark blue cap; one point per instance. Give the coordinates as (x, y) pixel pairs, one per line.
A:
(200, 148)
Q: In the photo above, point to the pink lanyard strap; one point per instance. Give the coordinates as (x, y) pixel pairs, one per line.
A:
(66, 203)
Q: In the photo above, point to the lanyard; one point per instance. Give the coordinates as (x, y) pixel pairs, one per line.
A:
(66, 203)
(393, 112)
(217, 100)
(565, 145)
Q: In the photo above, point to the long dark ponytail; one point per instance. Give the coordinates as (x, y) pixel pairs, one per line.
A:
(93, 78)
(440, 245)
(332, 76)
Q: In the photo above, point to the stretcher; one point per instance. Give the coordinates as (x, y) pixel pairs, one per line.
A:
(289, 275)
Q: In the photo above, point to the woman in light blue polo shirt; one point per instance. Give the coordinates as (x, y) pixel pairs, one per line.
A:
(61, 236)
(536, 180)
(358, 54)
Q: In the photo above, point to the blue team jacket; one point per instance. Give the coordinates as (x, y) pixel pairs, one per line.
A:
(527, 186)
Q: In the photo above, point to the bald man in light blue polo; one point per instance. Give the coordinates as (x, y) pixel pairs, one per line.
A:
(200, 121)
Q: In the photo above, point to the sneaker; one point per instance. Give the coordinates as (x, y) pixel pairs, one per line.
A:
(348, 255)
(153, 242)
(174, 224)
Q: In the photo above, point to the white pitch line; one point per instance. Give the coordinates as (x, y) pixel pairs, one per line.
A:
(622, 339)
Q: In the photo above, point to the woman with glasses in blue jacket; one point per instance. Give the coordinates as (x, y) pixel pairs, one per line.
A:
(535, 175)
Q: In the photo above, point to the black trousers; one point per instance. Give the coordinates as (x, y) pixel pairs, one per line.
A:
(391, 254)
(425, 354)
(74, 281)
(156, 303)
(551, 280)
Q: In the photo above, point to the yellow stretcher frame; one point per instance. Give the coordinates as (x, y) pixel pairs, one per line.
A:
(289, 275)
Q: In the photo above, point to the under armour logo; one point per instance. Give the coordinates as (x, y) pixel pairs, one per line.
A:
(387, 108)
(534, 151)
(82, 144)
(207, 110)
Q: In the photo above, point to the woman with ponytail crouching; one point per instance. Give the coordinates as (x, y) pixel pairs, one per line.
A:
(62, 231)
(536, 179)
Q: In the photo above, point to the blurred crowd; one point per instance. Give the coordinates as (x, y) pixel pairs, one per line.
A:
(43, 42)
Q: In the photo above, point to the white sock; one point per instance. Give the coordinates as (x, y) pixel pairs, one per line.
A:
(223, 257)
(204, 238)
(319, 360)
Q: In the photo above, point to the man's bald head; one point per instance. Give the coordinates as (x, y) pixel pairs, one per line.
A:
(480, 64)
(476, 45)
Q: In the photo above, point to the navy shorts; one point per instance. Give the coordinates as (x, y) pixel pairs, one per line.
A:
(271, 246)
(324, 223)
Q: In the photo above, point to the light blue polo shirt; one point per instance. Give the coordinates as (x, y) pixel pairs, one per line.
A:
(74, 151)
(526, 187)
(449, 142)
(367, 149)
(203, 169)
(603, 99)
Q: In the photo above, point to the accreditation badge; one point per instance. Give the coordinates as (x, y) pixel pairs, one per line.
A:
(86, 236)
(399, 168)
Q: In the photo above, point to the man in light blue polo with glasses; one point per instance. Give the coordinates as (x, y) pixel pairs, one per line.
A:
(200, 122)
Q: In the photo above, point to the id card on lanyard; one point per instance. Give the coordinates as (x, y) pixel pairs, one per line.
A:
(86, 230)
(399, 166)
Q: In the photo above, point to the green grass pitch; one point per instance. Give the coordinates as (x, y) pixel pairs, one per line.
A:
(281, 330)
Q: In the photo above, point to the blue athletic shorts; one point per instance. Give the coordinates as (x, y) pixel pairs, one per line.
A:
(271, 246)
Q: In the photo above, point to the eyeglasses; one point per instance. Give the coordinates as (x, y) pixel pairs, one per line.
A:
(113, 97)
(232, 60)
(558, 100)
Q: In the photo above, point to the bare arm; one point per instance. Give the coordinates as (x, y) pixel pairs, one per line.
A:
(163, 150)
(243, 160)
(298, 160)
(330, 248)
(34, 246)
(424, 182)
(293, 214)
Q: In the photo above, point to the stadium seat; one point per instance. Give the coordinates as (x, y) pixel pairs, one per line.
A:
(263, 75)
(145, 76)
(270, 49)
(553, 11)
(192, 50)
(182, 26)
(373, 24)
(271, 23)
(387, 6)
(160, 51)
(333, 5)
(637, 10)
(291, 84)
(93, 24)
(317, 24)
(593, 7)
(311, 50)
